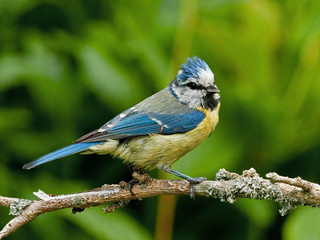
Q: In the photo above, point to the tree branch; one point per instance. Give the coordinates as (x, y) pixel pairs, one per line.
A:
(288, 192)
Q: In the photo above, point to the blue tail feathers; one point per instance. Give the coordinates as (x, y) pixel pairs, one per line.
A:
(63, 152)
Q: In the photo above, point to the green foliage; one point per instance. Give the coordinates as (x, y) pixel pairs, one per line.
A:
(111, 226)
(68, 67)
(302, 224)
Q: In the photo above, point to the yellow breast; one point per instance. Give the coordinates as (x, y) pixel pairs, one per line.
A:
(211, 119)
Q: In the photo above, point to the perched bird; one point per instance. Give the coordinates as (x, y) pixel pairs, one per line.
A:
(159, 130)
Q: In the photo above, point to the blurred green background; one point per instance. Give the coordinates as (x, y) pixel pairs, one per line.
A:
(66, 67)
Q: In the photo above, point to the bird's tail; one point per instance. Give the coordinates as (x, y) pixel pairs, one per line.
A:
(63, 152)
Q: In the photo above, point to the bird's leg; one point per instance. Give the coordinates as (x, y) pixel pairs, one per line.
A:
(139, 176)
(192, 180)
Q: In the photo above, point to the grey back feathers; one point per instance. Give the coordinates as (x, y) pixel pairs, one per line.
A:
(164, 103)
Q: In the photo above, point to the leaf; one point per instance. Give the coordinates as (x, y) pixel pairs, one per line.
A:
(108, 81)
(302, 223)
(115, 226)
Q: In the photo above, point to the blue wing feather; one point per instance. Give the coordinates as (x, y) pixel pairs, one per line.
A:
(135, 124)
(140, 123)
(180, 123)
(63, 152)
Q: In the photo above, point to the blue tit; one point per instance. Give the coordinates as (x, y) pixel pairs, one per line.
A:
(159, 130)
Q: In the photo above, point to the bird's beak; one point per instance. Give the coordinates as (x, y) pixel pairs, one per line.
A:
(213, 89)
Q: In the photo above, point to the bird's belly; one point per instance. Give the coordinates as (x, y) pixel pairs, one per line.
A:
(163, 150)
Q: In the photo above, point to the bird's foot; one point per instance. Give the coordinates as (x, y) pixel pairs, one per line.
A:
(191, 180)
(194, 181)
(139, 176)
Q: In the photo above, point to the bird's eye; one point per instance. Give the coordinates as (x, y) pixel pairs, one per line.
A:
(192, 85)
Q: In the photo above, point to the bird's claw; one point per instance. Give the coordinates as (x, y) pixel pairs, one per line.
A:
(139, 176)
(194, 181)
(131, 183)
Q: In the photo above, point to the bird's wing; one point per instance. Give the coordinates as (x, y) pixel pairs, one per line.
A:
(132, 123)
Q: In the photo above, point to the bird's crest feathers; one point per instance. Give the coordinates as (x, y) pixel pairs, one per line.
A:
(191, 69)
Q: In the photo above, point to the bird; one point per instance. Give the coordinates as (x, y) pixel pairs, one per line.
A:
(159, 130)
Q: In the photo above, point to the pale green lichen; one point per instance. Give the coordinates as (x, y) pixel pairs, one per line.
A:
(77, 201)
(250, 185)
(17, 206)
(223, 174)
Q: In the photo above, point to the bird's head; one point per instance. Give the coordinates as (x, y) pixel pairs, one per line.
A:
(194, 85)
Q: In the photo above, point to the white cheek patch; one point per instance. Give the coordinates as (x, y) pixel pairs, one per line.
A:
(188, 96)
